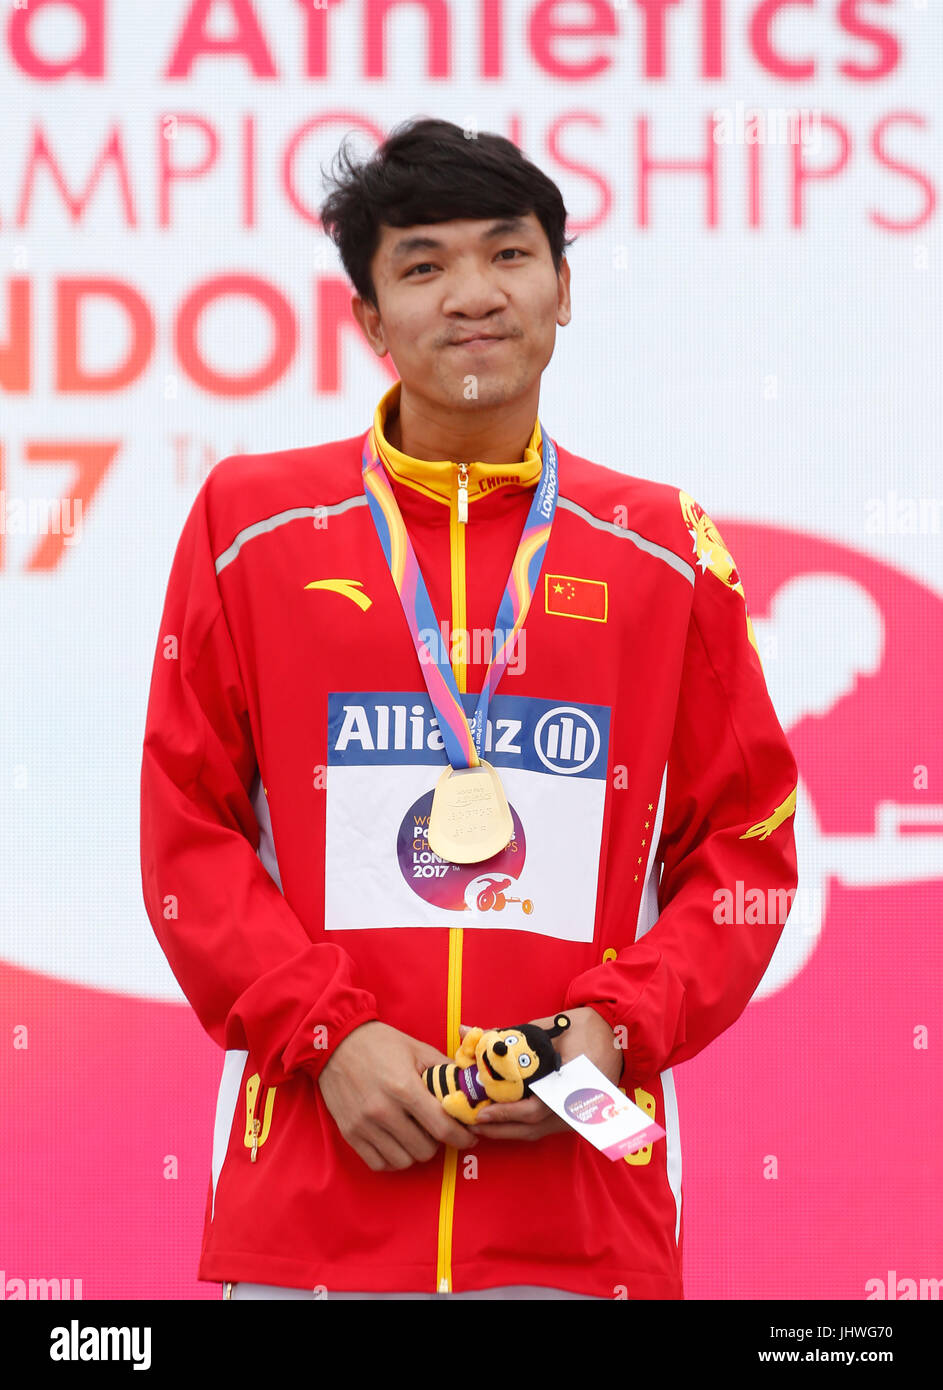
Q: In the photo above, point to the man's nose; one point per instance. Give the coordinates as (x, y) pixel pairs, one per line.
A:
(474, 294)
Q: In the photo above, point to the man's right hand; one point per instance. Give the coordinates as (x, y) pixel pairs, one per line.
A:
(372, 1084)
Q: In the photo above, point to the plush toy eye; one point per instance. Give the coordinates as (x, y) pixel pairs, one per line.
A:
(511, 1039)
(524, 1060)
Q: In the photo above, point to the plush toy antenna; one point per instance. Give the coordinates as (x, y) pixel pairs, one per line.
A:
(560, 1024)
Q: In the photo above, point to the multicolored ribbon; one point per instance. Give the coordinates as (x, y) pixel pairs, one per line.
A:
(463, 740)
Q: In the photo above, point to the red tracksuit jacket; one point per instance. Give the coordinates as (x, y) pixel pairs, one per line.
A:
(289, 759)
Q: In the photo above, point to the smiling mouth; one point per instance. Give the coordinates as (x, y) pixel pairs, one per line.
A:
(496, 1074)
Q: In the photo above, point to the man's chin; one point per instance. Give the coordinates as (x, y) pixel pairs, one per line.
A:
(491, 387)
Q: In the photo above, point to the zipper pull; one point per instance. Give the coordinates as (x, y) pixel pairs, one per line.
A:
(256, 1130)
(463, 492)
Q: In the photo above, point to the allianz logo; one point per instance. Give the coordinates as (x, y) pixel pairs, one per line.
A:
(565, 738)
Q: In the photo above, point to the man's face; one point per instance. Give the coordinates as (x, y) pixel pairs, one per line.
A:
(446, 281)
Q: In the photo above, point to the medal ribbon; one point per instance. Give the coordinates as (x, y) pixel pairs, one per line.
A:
(463, 741)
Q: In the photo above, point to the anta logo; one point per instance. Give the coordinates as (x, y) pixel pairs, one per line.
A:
(349, 588)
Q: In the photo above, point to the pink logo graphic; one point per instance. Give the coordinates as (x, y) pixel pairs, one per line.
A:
(586, 1106)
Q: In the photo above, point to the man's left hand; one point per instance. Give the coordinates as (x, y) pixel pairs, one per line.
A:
(530, 1119)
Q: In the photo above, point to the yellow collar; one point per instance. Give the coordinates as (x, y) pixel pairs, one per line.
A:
(437, 479)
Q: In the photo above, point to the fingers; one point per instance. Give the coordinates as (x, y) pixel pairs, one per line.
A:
(391, 1139)
(404, 1143)
(526, 1133)
(431, 1058)
(386, 1153)
(429, 1113)
(370, 1155)
(416, 1120)
(383, 1128)
(375, 1094)
(424, 1055)
(526, 1112)
(520, 1119)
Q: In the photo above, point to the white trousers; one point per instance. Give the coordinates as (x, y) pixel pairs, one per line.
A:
(511, 1291)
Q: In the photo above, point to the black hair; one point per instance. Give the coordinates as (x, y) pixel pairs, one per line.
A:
(426, 171)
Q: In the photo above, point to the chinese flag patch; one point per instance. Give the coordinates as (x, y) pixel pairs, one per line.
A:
(569, 597)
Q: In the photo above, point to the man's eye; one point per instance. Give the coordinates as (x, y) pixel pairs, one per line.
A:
(427, 265)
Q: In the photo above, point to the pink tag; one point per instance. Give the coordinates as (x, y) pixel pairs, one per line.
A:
(595, 1107)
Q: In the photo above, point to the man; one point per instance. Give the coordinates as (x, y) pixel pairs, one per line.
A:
(319, 635)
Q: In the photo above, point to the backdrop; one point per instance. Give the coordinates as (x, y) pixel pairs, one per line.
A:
(756, 318)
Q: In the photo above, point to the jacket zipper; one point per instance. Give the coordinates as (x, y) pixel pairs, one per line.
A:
(260, 1101)
(457, 518)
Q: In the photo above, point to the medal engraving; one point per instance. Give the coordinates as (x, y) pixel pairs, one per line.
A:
(470, 818)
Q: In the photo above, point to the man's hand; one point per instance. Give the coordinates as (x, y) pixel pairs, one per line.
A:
(530, 1119)
(372, 1085)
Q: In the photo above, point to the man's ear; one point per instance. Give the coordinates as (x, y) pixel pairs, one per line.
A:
(563, 293)
(370, 323)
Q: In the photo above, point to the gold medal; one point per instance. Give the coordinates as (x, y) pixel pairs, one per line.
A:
(470, 818)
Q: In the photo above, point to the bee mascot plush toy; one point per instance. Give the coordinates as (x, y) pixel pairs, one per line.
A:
(497, 1065)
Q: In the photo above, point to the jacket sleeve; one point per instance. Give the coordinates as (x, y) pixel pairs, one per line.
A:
(729, 800)
(239, 953)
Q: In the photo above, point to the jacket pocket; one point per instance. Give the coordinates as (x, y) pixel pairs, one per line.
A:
(260, 1101)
